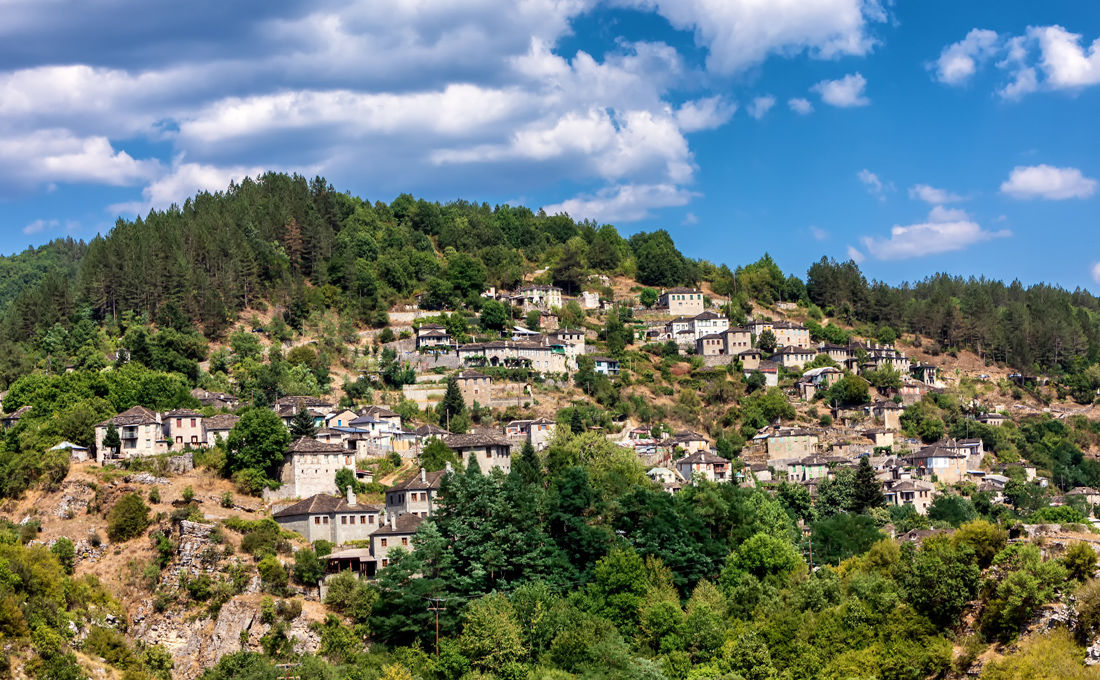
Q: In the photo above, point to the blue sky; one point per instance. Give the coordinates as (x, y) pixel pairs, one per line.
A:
(915, 137)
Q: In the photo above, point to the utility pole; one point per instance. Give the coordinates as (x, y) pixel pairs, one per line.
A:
(437, 607)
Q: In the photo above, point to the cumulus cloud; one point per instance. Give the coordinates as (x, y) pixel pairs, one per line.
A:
(845, 92)
(704, 114)
(1042, 58)
(930, 194)
(1049, 182)
(182, 181)
(800, 105)
(959, 61)
(53, 155)
(760, 106)
(40, 225)
(622, 203)
(875, 186)
(818, 233)
(855, 255)
(1096, 272)
(946, 230)
(741, 33)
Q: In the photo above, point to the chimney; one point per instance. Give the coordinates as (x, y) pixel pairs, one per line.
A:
(351, 496)
(423, 476)
(393, 521)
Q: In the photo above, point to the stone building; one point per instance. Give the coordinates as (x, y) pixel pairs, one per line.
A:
(310, 467)
(331, 518)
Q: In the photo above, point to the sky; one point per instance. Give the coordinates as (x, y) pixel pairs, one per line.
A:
(914, 137)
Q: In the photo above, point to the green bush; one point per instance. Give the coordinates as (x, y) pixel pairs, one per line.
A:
(127, 519)
(273, 575)
(65, 553)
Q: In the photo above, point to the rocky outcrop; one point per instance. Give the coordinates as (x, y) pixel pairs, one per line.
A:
(75, 498)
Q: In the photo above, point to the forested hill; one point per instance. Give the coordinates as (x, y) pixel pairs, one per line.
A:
(299, 244)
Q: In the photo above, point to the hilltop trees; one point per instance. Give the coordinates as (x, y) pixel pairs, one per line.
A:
(256, 447)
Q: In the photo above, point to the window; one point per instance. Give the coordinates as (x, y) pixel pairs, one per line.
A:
(385, 562)
(362, 519)
(372, 519)
(179, 422)
(326, 520)
(404, 541)
(343, 519)
(383, 543)
(316, 520)
(192, 422)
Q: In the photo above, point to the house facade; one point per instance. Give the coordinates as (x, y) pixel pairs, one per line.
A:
(703, 465)
(787, 442)
(490, 450)
(310, 467)
(331, 518)
(184, 427)
(140, 431)
(416, 494)
(537, 432)
(398, 532)
(474, 386)
(681, 301)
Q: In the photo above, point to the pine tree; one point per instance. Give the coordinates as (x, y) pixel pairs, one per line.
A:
(301, 425)
(452, 404)
(111, 440)
(866, 489)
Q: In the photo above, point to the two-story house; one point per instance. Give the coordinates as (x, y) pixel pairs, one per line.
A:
(219, 426)
(681, 301)
(537, 432)
(310, 467)
(397, 532)
(331, 518)
(415, 494)
(703, 465)
(490, 450)
(474, 386)
(791, 442)
(140, 432)
(184, 427)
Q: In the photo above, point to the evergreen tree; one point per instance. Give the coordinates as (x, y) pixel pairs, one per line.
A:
(111, 440)
(866, 489)
(452, 404)
(301, 425)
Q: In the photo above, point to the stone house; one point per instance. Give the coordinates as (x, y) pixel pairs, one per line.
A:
(331, 518)
(948, 465)
(793, 357)
(474, 386)
(907, 491)
(813, 467)
(432, 335)
(536, 296)
(184, 427)
(490, 450)
(218, 400)
(415, 494)
(219, 426)
(786, 334)
(687, 441)
(139, 429)
(340, 418)
(703, 465)
(540, 357)
(310, 467)
(880, 436)
(397, 532)
(770, 369)
(738, 340)
(681, 301)
(789, 442)
(537, 432)
(288, 407)
(1091, 496)
(711, 345)
(889, 413)
(10, 420)
(994, 419)
(750, 359)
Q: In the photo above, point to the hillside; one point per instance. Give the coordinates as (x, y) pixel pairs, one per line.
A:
(852, 480)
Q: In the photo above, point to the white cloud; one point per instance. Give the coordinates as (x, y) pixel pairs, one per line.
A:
(1045, 181)
(1096, 272)
(704, 114)
(818, 233)
(875, 186)
(39, 226)
(689, 220)
(760, 106)
(623, 203)
(1064, 61)
(959, 61)
(800, 105)
(855, 255)
(930, 194)
(45, 156)
(1052, 51)
(945, 231)
(742, 33)
(845, 92)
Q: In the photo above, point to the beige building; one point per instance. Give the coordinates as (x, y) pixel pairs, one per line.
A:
(491, 450)
(219, 426)
(540, 297)
(331, 518)
(140, 431)
(888, 413)
(789, 442)
(910, 492)
(474, 386)
(310, 467)
(537, 432)
(947, 465)
(397, 532)
(682, 301)
(415, 495)
(703, 465)
(540, 357)
(184, 427)
(793, 357)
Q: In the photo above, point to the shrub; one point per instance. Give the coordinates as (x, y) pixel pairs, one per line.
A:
(188, 494)
(127, 519)
(154, 495)
(350, 596)
(1080, 561)
(308, 569)
(65, 553)
(273, 575)
(227, 500)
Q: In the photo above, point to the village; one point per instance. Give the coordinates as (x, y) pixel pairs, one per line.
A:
(345, 440)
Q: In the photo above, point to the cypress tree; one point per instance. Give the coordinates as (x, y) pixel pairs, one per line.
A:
(866, 489)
